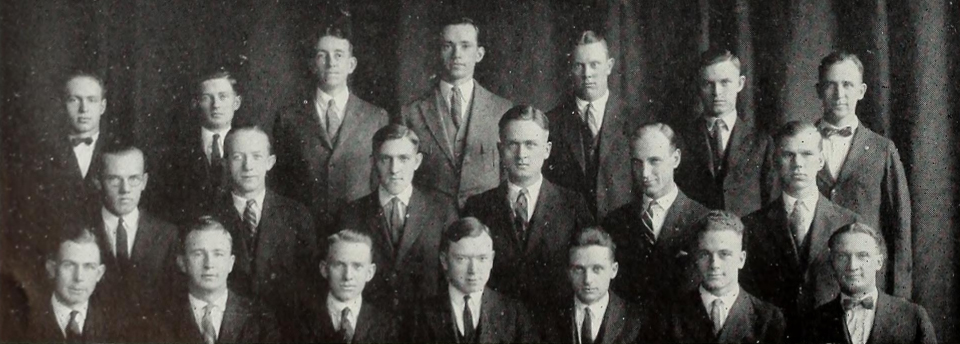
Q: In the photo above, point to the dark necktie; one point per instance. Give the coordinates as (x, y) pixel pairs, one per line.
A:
(590, 117)
(333, 121)
(716, 315)
(647, 219)
(468, 330)
(346, 327)
(206, 324)
(216, 154)
(520, 212)
(250, 221)
(456, 105)
(123, 254)
(74, 334)
(717, 145)
(797, 216)
(866, 303)
(396, 220)
(843, 132)
(586, 329)
(76, 141)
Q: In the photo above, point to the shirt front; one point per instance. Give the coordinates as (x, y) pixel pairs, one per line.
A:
(859, 320)
(456, 300)
(130, 225)
(62, 313)
(727, 302)
(597, 310)
(335, 309)
(599, 107)
(84, 154)
(466, 93)
(322, 100)
(216, 314)
(836, 147)
(533, 195)
(659, 216)
(809, 202)
(240, 203)
(729, 119)
(207, 137)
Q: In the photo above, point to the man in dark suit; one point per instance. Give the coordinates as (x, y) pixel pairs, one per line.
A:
(469, 312)
(276, 240)
(862, 313)
(530, 218)
(323, 142)
(728, 161)
(457, 119)
(139, 247)
(721, 311)
(597, 314)
(863, 171)
(787, 239)
(405, 222)
(590, 129)
(652, 231)
(344, 316)
(193, 176)
(211, 312)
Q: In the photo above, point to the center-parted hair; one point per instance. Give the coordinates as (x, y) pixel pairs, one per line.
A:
(204, 223)
(719, 220)
(792, 129)
(218, 73)
(716, 55)
(468, 227)
(835, 58)
(231, 136)
(663, 128)
(524, 113)
(395, 132)
(461, 21)
(860, 228)
(119, 150)
(349, 236)
(593, 236)
(339, 28)
(85, 74)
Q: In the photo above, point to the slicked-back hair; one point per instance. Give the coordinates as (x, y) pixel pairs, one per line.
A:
(120, 150)
(663, 128)
(589, 37)
(395, 132)
(835, 58)
(201, 224)
(593, 236)
(860, 228)
(719, 220)
(717, 55)
(228, 141)
(792, 129)
(349, 236)
(219, 73)
(524, 113)
(468, 227)
(77, 235)
(462, 21)
(85, 74)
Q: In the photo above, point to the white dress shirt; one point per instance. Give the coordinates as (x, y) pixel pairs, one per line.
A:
(859, 320)
(323, 99)
(240, 203)
(404, 196)
(456, 300)
(730, 119)
(466, 91)
(727, 302)
(335, 309)
(599, 107)
(62, 312)
(659, 216)
(836, 147)
(533, 194)
(597, 310)
(130, 222)
(84, 154)
(810, 205)
(216, 314)
(207, 136)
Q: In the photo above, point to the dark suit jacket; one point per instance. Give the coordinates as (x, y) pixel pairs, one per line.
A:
(374, 325)
(623, 322)
(411, 272)
(535, 272)
(872, 183)
(187, 186)
(748, 178)
(653, 275)
(749, 321)
(776, 271)
(100, 326)
(566, 166)
(502, 320)
(478, 168)
(896, 321)
(244, 321)
(322, 174)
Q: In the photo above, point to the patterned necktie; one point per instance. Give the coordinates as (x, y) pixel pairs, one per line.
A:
(590, 117)
(468, 330)
(717, 130)
(333, 121)
(396, 220)
(216, 154)
(74, 333)
(250, 219)
(456, 105)
(647, 219)
(346, 327)
(797, 216)
(123, 254)
(716, 315)
(520, 212)
(206, 324)
(586, 329)
(843, 132)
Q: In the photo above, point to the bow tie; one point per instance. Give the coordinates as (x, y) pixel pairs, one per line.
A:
(844, 132)
(866, 303)
(76, 141)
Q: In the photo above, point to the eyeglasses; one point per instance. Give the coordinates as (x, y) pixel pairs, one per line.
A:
(132, 181)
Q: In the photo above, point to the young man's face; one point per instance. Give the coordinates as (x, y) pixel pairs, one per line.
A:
(591, 270)
(348, 268)
(85, 105)
(720, 257)
(75, 272)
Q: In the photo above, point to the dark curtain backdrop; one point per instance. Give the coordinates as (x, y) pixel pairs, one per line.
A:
(149, 51)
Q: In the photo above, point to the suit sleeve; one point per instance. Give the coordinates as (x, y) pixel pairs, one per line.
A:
(776, 328)
(896, 216)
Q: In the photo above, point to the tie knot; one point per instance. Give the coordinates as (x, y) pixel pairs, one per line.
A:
(76, 141)
(346, 313)
(216, 137)
(653, 207)
(843, 132)
(208, 309)
(799, 206)
(523, 192)
(251, 203)
(332, 104)
(466, 300)
(120, 221)
(865, 303)
(395, 201)
(74, 314)
(717, 303)
(718, 124)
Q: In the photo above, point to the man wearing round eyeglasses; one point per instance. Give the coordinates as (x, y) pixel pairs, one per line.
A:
(138, 247)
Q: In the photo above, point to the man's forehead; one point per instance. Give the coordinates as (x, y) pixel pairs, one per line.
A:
(84, 84)
(327, 42)
(464, 32)
(87, 252)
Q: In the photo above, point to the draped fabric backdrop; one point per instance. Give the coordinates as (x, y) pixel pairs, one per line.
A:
(149, 51)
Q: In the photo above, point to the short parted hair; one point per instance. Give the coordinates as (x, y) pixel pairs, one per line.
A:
(120, 149)
(461, 21)
(792, 129)
(716, 55)
(77, 235)
(338, 29)
(663, 128)
(85, 74)
(593, 236)
(466, 227)
(219, 73)
(589, 37)
(861, 228)
(524, 113)
(395, 132)
(835, 58)
(349, 236)
(719, 220)
(203, 223)
(231, 136)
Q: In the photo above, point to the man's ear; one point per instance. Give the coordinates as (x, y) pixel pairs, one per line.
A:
(51, 268)
(103, 104)
(181, 264)
(373, 271)
(443, 261)
(323, 270)
(237, 102)
(146, 177)
(98, 184)
(743, 259)
(271, 160)
(418, 159)
(480, 53)
(614, 269)
(820, 93)
(101, 269)
(743, 83)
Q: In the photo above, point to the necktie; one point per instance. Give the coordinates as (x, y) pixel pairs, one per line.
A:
(206, 324)
(718, 128)
(586, 329)
(76, 141)
(647, 219)
(396, 220)
(456, 105)
(843, 132)
(590, 117)
(468, 329)
(333, 121)
(346, 327)
(521, 214)
(865, 303)
(250, 219)
(716, 315)
(121, 245)
(797, 216)
(74, 334)
(216, 155)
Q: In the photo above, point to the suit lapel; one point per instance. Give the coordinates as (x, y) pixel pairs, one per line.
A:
(490, 321)
(234, 318)
(481, 118)
(432, 113)
(883, 320)
(737, 144)
(377, 222)
(351, 121)
(738, 320)
(542, 214)
(612, 323)
(147, 234)
(266, 235)
(673, 221)
(363, 326)
(412, 227)
(611, 131)
(502, 215)
(309, 112)
(778, 229)
(697, 321)
(568, 126)
(70, 158)
(701, 147)
(824, 221)
(858, 148)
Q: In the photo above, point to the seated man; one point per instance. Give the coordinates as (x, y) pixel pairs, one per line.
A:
(211, 313)
(480, 314)
(597, 314)
(862, 313)
(344, 317)
(721, 311)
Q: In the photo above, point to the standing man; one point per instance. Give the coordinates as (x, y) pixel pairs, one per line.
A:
(590, 129)
(404, 221)
(863, 170)
(459, 118)
(323, 143)
(862, 313)
(652, 231)
(787, 239)
(728, 164)
(531, 220)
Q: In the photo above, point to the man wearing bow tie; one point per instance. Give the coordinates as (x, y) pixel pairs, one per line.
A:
(862, 313)
(863, 171)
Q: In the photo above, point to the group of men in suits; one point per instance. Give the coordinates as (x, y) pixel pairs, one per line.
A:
(469, 219)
